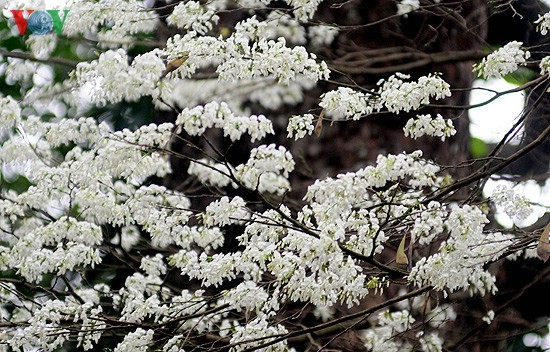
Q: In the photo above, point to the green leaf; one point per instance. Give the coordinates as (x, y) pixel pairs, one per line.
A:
(19, 185)
(521, 76)
(478, 148)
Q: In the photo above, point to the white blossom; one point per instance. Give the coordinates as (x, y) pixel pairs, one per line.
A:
(10, 113)
(543, 23)
(280, 24)
(406, 6)
(267, 169)
(397, 95)
(259, 327)
(112, 79)
(195, 122)
(514, 205)
(112, 22)
(457, 265)
(503, 61)
(246, 295)
(137, 341)
(489, 317)
(153, 266)
(225, 212)
(345, 102)
(381, 337)
(42, 45)
(545, 65)
(426, 125)
(322, 35)
(211, 173)
(192, 15)
(430, 342)
(300, 125)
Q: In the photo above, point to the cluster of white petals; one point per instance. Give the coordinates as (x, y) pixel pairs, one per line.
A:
(344, 102)
(303, 9)
(300, 125)
(393, 93)
(225, 212)
(406, 6)
(42, 45)
(397, 95)
(458, 264)
(280, 24)
(113, 21)
(381, 337)
(136, 341)
(270, 58)
(211, 173)
(267, 169)
(503, 61)
(322, 35)
(238, 58)
(112, 79)
(514, 205)
(45, 326)
(543, 23)
(258, 328)
(192, 15)
(10, 113)
(195, 121)
(426, 125)
(545, 65)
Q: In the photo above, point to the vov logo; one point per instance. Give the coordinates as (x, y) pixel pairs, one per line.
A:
(39, 22)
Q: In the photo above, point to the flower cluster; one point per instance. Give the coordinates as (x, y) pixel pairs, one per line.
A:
(192, 15)
(138, 341)
(225, 212)
(258, 328)
(545, 65)
(211, 173)
(267, 169)
(300, 125)
(42, 45)
(398, 95)
(303, 9)
(426, 125)
(503, 61)
(543, 23)
(394, 94)
(238, 58)
(112, 22)
(515, 205)
(322, 35)
(406, 6)
(345, 102)
(195, 121)
(10, 113)
(111, 79)
(279, 24)
(379, 338)
(458, 264)
(270, 58)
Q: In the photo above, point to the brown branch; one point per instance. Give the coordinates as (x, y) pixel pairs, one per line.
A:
(336, 321)
(479, 175)
(421, 59)
(28, 56)
(500, 309)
